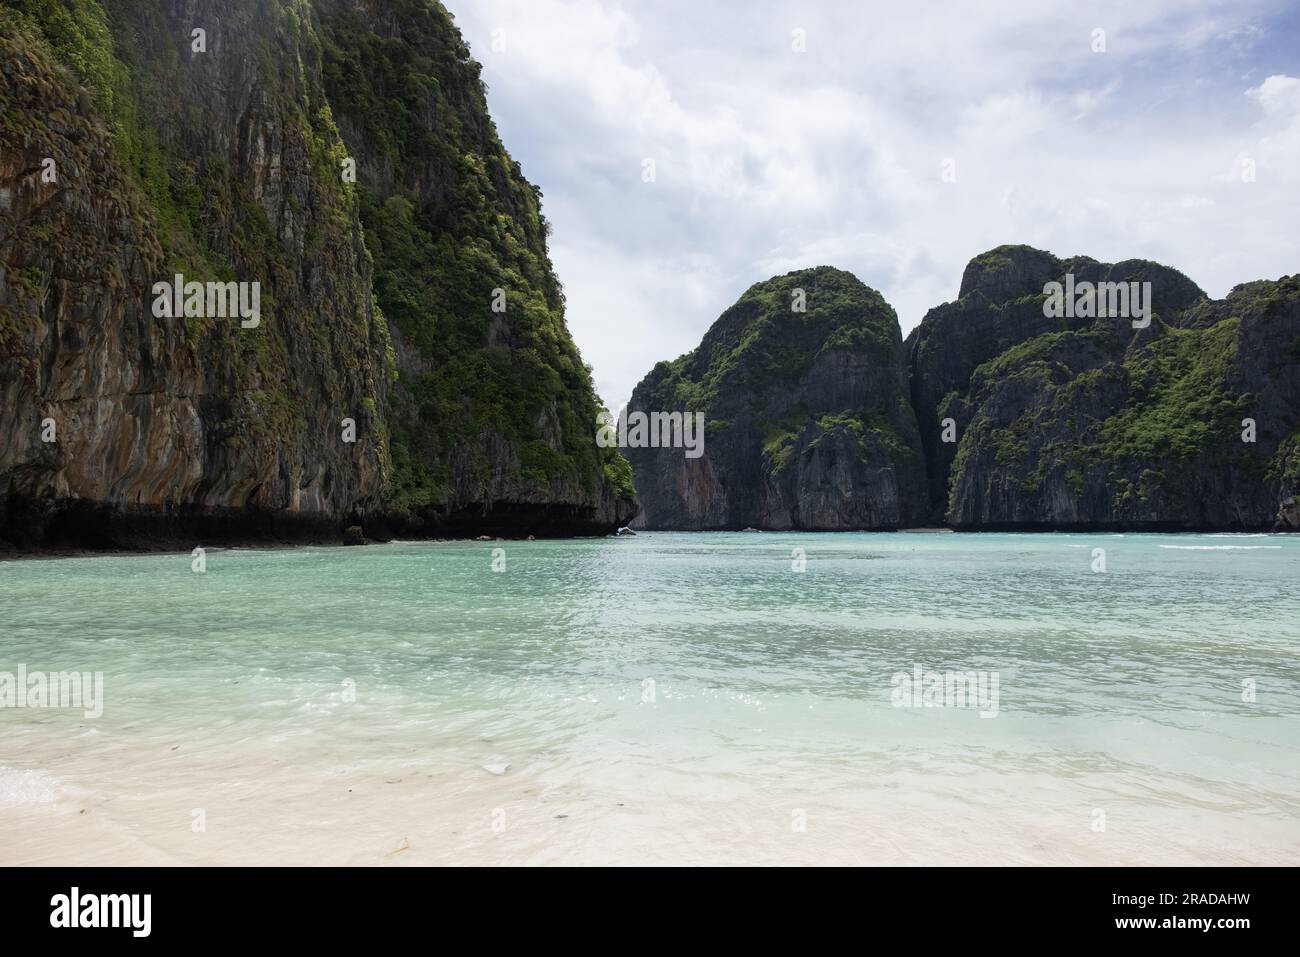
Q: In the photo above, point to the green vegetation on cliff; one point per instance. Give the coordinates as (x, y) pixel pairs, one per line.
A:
(762, 344)
(450, 219)
(204, 215)
(1168, 400)
(229, 164)
(806, 415)
(1089, 421)
(1182, 399)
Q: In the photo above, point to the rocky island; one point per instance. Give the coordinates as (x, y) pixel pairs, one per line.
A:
(804, 394)
(1015, 414)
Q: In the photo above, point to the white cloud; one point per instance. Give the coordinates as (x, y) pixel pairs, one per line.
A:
(769, 160)
(1278, 94)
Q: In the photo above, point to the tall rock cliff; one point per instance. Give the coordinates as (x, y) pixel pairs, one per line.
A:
(214, 139)
(807, 423)
(1084, 421)
(1013, 415)
(493, 418)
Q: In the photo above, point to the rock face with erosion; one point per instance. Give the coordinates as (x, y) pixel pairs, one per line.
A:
(1086, 421)
(807, 423)
(1180, 413)
(378, 386)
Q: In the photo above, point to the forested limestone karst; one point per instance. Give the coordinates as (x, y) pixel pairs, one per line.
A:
(340, 155)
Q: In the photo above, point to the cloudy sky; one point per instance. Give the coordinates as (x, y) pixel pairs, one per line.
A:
(768, 158)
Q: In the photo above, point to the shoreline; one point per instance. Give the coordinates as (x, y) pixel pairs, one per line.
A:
(10, 553)
(379, 817)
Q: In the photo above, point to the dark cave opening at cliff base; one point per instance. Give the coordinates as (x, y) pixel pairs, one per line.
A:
(91, 526)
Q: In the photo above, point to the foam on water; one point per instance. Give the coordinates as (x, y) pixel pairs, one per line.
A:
(1221, 548)
(19, 786)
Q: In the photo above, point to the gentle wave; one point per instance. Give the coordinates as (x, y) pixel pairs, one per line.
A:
(1219, 548)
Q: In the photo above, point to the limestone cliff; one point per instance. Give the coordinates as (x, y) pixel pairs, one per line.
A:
(493, 414)
(1013, 416)
(1085, 421)
(806, 419)
(140, 141)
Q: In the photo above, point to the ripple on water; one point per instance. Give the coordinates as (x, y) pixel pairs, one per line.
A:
(699, 679)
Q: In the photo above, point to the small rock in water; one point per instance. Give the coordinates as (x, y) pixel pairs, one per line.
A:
(483, 538)
(1288, 515)
(497, 768)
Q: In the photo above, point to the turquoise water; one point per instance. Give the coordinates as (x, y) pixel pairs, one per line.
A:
(666, 698)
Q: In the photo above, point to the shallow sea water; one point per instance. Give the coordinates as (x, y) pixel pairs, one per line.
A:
(669, 698)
